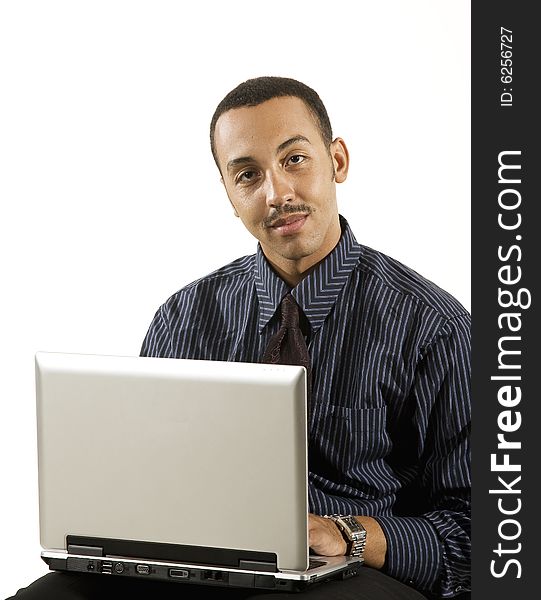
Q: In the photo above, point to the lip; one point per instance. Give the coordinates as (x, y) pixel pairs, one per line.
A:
(290, 224)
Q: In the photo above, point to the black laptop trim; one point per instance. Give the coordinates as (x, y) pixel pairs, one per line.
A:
(222, 557)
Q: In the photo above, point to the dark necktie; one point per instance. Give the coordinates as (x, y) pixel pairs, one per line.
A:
(287, 346)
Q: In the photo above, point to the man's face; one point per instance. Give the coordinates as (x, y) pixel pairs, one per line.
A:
(280, 178)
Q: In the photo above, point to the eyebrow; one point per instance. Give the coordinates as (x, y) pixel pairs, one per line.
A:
(242, 160)
(291, 141)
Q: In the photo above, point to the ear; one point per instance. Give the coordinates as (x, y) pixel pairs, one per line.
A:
(340, 157)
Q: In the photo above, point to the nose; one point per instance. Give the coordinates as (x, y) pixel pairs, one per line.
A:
(278, 189)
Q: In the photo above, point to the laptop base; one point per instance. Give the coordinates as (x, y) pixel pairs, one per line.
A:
(186, 573)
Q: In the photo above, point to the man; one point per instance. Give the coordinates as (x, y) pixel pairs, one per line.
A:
(389, 351)
(389, 408)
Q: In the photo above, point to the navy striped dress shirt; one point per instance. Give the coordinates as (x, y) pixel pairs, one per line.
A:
(389, 426)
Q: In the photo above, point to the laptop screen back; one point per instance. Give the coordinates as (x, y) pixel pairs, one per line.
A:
(198, 453)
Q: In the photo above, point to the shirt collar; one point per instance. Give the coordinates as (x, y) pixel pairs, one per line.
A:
(316, 294)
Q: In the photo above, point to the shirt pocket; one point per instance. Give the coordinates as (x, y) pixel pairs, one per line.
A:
(348, 441)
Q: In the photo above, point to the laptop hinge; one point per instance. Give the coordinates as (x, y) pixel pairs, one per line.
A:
(85, 550)
(252, 565)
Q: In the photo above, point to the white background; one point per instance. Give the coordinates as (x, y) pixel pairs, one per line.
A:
(110, 200)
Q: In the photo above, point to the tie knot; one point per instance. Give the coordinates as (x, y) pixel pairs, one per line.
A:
(290, 312)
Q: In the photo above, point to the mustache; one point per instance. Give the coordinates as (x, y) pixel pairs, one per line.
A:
(286, 209)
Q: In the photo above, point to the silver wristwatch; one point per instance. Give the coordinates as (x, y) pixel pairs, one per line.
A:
(352, 531)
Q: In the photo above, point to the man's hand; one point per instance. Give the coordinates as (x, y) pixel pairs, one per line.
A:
(324, 537)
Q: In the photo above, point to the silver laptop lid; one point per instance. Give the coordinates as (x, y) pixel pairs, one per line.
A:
(201, 453)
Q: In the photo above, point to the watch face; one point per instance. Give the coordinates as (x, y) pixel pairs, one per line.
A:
(352, 524)
(355, 533)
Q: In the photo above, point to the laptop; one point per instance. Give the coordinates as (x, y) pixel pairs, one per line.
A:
(180, 470)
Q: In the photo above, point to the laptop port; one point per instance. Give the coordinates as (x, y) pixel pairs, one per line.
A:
(142, 569)
(179, 573)
(107, 568)
(119, 568)
(212, 576)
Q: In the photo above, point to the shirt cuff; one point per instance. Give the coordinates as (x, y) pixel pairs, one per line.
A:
(414, 554)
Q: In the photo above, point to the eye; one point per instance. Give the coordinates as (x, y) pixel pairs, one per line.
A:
(296, 159)
(246, 176)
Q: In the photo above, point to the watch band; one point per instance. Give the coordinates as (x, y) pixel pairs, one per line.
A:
(353, 532)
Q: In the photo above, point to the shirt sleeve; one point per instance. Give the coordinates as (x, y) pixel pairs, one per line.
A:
(157, 341)
(432, 551)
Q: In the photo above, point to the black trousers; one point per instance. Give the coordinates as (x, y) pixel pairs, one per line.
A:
(370, 584)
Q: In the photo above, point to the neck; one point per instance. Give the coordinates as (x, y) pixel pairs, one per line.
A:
(294, 271)
(291, 276)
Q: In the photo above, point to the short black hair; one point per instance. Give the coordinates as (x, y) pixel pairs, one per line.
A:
(260, 89)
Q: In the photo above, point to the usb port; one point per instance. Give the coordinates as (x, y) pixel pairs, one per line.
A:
(142, 569)
(179, 573)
